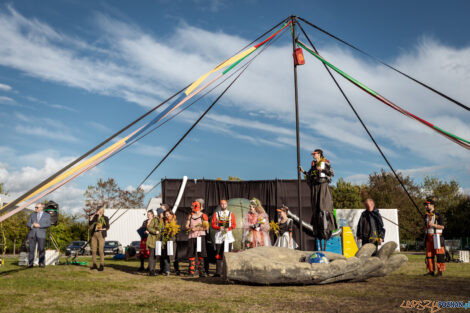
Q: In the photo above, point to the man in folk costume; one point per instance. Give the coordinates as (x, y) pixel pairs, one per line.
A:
(223, 222)
(434, 241)
(319, 179)
(197, 224)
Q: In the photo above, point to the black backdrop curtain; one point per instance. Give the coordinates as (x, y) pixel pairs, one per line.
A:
(271, 193)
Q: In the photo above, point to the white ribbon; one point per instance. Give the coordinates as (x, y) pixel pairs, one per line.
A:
(226, 246)
(158, 247)
(437, 241)
(169, 247)
(198, 244)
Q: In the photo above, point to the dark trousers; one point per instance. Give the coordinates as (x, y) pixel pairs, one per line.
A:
(219, 257)
(41, 242)
(152, 259)
(164, 264)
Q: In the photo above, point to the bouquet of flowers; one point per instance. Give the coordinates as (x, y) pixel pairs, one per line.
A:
(225, 222)
(273, 226)
(261, 220)
(204, 225)
(170, 229)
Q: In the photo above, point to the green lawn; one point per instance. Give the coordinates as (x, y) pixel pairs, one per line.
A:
(71, 288)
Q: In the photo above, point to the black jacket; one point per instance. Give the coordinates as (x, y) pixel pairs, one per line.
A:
(93, 222)
(365, 228)
(141, 230)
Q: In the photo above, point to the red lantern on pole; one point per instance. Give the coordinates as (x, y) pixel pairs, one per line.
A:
(299, 57)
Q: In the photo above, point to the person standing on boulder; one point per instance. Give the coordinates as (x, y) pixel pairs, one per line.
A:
(223, 222)
(434, 241)
(319, 179)
(370, 228)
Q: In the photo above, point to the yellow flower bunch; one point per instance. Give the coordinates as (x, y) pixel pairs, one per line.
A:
(273, 226)
(170, 230)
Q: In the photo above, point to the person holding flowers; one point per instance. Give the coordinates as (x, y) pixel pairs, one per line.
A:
(256, 226)
(170, 229)
(223, 222)
(284, 229)
(197, 224)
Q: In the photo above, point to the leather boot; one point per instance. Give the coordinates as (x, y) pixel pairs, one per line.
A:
(202, 270)
(218, 268)
(192, 266)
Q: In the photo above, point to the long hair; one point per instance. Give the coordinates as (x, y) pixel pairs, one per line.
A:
(258, 207)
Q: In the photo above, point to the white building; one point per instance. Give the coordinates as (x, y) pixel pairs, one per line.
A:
(350, 217)
(124, 223)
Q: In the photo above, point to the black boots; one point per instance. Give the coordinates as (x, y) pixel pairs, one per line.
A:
(101, 268)
(202, 270)
(218, 269)
(192, 266)
(94, 267)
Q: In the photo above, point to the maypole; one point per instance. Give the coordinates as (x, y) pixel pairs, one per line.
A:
(299, 202)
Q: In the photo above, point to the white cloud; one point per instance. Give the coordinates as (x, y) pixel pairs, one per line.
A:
(5, 87)
(100, 127)
(142, 68)
(19, 180)
(148, 150)
(6, 100)
(44, 132)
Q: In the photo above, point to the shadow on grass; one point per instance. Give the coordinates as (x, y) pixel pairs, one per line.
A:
(207, 280)
(127, 269)
(16, 270)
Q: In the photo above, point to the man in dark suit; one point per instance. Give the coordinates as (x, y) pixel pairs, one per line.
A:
(38, 223)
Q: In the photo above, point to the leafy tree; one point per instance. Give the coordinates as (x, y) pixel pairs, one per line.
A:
(107, 193)
(234, 178)
(347, 195)
(452, 203)
(387, 192)
(69, 228)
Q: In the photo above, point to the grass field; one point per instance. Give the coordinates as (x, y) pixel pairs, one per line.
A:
(119, 288)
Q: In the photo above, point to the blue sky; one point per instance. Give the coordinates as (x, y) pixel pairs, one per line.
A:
(72, 72)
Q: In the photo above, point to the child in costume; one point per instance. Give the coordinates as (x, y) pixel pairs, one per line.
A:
(285, 238)
(197, 224)
(223, 222)
(256, 225)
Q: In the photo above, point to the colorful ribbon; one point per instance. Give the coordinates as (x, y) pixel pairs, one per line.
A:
(459, 140)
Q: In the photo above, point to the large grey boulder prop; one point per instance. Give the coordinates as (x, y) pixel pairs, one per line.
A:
(282, 266)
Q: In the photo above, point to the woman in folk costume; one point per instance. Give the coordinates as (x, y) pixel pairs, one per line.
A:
(319, 179)
(256, 226)
(197, 224)
(153, 234)
(286, 225)
(223, 222)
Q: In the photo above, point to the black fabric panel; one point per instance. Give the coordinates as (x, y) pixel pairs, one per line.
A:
(271, 193)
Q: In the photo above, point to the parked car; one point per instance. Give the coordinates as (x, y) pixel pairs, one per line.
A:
(76, 247)
(112, 247)
(136, 245)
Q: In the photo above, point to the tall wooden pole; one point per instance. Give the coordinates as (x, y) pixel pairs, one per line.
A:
(299, 202)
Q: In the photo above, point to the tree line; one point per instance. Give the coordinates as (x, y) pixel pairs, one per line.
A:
(381, 186)
(387, 192)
